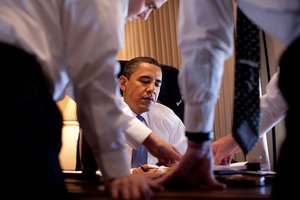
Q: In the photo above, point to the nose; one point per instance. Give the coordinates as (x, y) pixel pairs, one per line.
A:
(151, 88)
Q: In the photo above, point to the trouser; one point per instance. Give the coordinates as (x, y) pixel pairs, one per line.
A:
(85, 159)
(31, 129)
(287, 171)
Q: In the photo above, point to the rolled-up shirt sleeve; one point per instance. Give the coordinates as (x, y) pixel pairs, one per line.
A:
(205, 42)
(273, 107)
(135, 131)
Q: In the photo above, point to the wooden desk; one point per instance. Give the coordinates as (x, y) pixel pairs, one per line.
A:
(82, 190)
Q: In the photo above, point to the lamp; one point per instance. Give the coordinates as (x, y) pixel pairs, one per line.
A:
(68, 109)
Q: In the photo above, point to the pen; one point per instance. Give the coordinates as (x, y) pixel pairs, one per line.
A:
(143, 168)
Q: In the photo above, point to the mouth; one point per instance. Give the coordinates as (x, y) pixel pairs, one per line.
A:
(148, 99)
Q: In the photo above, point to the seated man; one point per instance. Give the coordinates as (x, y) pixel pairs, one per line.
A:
(140, 84)
(169, 94)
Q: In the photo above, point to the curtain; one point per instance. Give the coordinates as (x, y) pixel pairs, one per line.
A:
(157, 37)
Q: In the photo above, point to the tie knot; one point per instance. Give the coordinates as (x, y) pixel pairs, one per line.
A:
(142, 119)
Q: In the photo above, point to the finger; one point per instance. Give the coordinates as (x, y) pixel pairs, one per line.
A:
(161, 162)
(228, 160)
(155, 186)
(212, 184)
(146, 191)
(218, 158)
(135, 192)
(114, 193)
(217, 185)
(126, 193)
(177, 155)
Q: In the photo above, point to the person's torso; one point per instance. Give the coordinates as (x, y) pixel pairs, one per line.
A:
(60, 33)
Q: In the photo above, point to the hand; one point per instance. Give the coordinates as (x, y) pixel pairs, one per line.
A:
(132, 187)
(153, 171)
(166, 153)
(224, 149)
(195, 169)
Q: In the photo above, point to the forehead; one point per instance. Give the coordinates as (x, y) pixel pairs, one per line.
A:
(148, 69)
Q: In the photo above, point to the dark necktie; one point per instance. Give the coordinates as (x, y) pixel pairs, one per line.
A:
(246, 99)
(139, 155)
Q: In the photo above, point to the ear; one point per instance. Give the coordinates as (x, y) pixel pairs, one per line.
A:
(122, 82)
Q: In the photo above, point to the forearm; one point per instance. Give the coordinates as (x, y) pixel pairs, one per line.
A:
(273, 106)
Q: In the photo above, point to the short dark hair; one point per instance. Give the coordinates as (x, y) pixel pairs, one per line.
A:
(132, 65)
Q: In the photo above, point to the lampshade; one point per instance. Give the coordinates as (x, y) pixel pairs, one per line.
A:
(68, 109)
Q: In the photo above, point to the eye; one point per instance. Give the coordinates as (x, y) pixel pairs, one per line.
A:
(157, 83)
(145, 80)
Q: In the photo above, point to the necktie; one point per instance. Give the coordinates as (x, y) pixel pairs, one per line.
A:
(139, 155)
(246, 100)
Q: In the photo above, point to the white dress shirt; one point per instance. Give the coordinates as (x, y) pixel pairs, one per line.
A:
(273, 107)
(166, 125)
(77, 42)
(206, 41)
(135, 130)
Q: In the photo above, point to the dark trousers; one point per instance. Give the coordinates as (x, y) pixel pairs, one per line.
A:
(287, 171)
(85, 160)
(31, 125)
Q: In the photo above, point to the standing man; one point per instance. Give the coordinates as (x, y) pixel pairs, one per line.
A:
(205, 38)
(46, 46)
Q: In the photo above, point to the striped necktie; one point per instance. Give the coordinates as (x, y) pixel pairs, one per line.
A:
(139, 155)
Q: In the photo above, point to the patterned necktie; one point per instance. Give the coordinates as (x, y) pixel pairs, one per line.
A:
(139, 155)
(246, 99)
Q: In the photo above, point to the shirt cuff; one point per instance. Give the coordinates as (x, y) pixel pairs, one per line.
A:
(136, 132)
(199, 118)
(114, 164)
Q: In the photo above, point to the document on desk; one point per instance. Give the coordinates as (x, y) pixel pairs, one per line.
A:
(239, 168)
(233, 168)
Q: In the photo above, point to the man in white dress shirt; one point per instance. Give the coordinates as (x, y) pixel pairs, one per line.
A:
(206, 41)
(140, 84)
(46, 45)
